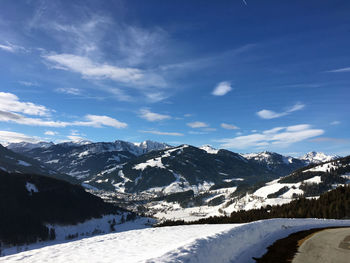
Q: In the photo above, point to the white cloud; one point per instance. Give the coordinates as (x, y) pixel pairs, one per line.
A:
(347, 69)
(71, 91)
(93, 70)
(279, 136)
(99, 121)
(268, 114)
(229, 126)
(90, 120)
(6, 116)
(9, 137)
(152, 116)
(10, 107)
(197, 124)
(51, 133)
(163, 133)
(10, 102)
(222, 88)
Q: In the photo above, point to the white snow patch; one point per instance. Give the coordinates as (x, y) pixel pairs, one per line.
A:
(155, 162)
(209, 149)
(313, 180)
(193, 244)
(322, 168)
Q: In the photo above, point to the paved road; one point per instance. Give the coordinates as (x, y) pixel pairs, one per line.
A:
(326, 246)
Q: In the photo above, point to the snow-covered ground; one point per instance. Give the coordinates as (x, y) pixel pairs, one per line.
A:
(195, 243)
(89, 228)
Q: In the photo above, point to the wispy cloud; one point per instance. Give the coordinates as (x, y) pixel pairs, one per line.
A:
(163, 133)
(71, 91)
(28, 83)
(152, 116)
(279, 136)
(330, 139)
(12, 48)
(197, 132)
(90, 69)
(229, 126)
(335, 123)
(347, 69)
(222, 89)
(197, 124)
(9, 137)
(268, 114)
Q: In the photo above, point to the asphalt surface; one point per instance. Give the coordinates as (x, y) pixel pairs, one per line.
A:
(326, 246)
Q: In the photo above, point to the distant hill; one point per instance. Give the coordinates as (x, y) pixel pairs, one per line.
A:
(29, 202)
(17, 163)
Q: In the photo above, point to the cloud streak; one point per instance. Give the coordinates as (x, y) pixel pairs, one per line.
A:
(152, 116)
(279, 136)
(347, 69)
(10, 137)
(163, 133)
(268, 114)
(197, 124)
(229, 126)
(12, 48)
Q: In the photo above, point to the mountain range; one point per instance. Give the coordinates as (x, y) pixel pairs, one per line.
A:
(173, 182)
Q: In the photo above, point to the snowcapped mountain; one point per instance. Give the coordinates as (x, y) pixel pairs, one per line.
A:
(180, 169)
(84, 159)
(275, 162)
(318, 157)
(27, 146)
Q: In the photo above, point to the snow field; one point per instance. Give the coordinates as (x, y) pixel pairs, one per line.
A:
(192, 244)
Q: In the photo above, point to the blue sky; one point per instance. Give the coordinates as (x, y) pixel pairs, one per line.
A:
(242, 75)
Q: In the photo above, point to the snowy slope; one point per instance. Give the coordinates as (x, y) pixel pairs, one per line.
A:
(196, 243)
(310, 182)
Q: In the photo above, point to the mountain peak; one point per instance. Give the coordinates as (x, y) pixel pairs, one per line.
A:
(209, 149)
(318, 157)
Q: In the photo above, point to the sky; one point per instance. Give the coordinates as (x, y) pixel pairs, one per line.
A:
(247, 76)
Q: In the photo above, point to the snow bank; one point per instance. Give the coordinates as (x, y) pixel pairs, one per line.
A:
(243, 242)
(89, 228)
(196, 243)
